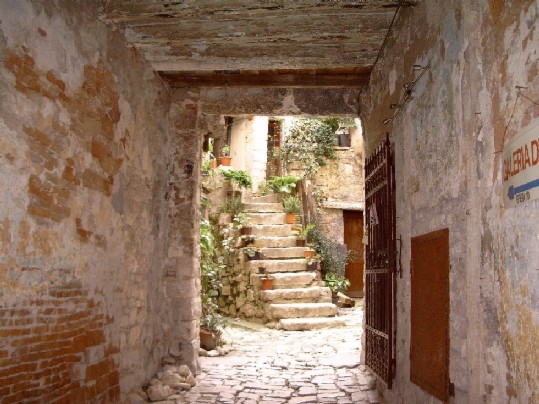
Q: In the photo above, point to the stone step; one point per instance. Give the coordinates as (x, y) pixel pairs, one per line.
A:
(263, 207)
(313, 294)
(300, 310)
(283, 230)
(293, 280)
(266, 218)
(289, 252)
(312, 323)
(275, 242)
(273, 266)
(270, 198)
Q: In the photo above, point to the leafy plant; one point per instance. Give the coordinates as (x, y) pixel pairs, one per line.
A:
(210, 267)
(225, 151)
(292, 204)
(284, 184)
(333, 256)
(336, 283)
(213, 322)
(251, 251)
(231, 205)
(303, 234)
(240, 177)
(308, 144)
(207, 159)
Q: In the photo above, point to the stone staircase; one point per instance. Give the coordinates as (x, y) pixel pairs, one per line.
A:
(298, 300)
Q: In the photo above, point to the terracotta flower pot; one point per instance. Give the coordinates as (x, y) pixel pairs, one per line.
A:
(301, 242)
(225, 161)
(209, 340)
(214, 163)
(246, 231)
(290, 218)
(267, 284)
(308, 253)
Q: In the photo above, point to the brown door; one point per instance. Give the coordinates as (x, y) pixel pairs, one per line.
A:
(353, 238)
(429, 346)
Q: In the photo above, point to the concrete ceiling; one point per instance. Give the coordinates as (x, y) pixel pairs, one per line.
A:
(260, 43)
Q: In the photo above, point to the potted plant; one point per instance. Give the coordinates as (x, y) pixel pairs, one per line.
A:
(301, 239)
(253, 253)
(336, 284)
(225, 158)
(265, 279)
(246, 240)
(244, 224)
(231, 205)
(238, 178)
(292, 207)
(308, 253)
(284, 185)
(211, 329)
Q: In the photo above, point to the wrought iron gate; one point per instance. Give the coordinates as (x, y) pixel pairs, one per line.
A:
(380, 262)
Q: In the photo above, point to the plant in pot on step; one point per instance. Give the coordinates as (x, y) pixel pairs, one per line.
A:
(302, 236)
(265, 279)
(283, 185)
(243, 224)
(253, 253)
(231, 207)
(336, 284)
(238, 178)
(225, 158)
(292, 207)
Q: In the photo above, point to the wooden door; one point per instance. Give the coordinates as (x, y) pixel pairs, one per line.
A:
(429, 346)
(353, 238)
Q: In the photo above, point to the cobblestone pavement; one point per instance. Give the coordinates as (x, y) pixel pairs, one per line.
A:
(274, 366)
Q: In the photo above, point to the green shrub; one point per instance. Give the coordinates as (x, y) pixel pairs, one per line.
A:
(333, 256)
(292, 204)
(283, 185)
(240, 177)
(231, 205)
(336, 283)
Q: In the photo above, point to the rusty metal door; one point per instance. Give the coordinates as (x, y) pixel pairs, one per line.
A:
(353, 238)
(380, 262)
(429, 346)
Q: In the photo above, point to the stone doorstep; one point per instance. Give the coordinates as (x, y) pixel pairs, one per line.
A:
(263, 207)
(300, 310)
(282, 295)
(266, 218)
(273, 266)
(312, 323)
(289, 252)
(275, 242)
(293, 280)
(282, 230)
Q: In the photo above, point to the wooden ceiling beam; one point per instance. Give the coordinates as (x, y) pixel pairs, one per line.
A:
(347, 77)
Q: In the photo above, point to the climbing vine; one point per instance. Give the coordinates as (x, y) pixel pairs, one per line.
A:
(308, 145)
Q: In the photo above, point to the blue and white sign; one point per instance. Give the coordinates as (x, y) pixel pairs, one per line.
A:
(521, 167)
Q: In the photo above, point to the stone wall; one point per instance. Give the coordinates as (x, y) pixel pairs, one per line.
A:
(448, 140)
(342, 184)
(83, 140)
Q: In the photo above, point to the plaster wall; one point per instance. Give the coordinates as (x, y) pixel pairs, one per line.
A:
(249, 147)
(83, 139)
(448, 141)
